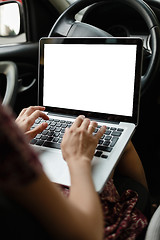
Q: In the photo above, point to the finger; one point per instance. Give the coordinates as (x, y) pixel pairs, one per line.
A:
(32, 133)
(92, 127)
(66, 129)
(43, 115)
(38, 114)
(32, 109)
(31, 119)
(100, 132)
(65, 134)
(85, 124)
(78, 121)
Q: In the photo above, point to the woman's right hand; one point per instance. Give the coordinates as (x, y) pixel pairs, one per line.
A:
(79, 142)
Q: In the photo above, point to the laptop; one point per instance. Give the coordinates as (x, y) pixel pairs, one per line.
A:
(96, 77)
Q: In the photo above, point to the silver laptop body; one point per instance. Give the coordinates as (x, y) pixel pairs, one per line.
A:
(96, 77)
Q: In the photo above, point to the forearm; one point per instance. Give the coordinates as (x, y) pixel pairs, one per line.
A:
(45, 201)
(84, 197)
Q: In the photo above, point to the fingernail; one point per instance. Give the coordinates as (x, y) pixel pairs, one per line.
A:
(82, 116)
(104, 126)
(45, 124)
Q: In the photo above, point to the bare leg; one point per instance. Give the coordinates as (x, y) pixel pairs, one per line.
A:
(130, 165)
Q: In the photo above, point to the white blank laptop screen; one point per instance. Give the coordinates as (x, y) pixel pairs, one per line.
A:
(101, 76)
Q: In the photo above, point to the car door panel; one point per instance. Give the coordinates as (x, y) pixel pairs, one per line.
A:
(25, 56)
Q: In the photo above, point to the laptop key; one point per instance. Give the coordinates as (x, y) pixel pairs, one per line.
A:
(53, 123)
(33, 141)
(52, 145)
(50, 133)
(100, 141)
(108, 132)
(120, 129)
(64, 125)
(113, 128)
(52, 128)
(60, 140)
(38, 136)
(98, 153)
(58, 129)
(63, 130)
(114, 140)
(108, 138)
(49, 139)
(56, 120)
(106, 143)
(45, 132)
(40, 142)
(44, 137)
(104, 148)
(58, 124)
(55, 139)
(56, 134)
(38, 120)
(116, 133)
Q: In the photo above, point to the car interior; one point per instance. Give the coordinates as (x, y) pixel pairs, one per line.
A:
(19, 50)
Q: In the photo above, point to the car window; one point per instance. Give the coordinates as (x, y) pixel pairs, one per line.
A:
(11, 22)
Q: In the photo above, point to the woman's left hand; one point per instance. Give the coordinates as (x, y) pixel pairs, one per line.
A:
(27, 117)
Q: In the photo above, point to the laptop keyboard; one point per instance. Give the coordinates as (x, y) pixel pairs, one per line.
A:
(53, 134)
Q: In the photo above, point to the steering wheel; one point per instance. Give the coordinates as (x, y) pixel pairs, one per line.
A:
(67, 26)
(9, 70)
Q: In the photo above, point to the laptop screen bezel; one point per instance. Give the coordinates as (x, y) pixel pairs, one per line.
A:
(93, 115)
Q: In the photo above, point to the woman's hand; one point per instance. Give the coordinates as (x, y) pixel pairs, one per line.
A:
(27, 118)
(79, 142)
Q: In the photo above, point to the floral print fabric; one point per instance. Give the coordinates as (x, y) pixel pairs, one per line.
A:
(122, 220)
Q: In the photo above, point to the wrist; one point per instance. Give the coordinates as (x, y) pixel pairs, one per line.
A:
(80, 172)
(79, 162)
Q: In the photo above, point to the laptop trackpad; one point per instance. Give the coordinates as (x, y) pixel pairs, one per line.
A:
(54, 166)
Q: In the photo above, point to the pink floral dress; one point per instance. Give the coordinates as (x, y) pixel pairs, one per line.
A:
(19, 165)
